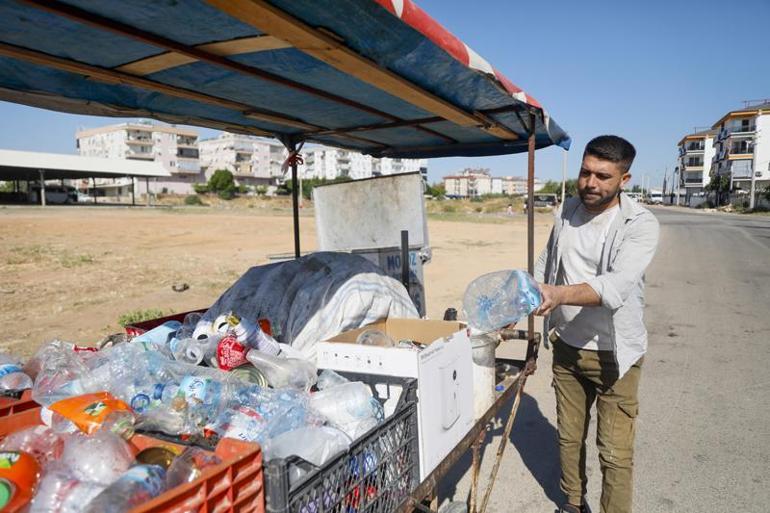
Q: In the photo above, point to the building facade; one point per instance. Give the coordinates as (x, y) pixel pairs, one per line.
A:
(742, 147)
(696, 151)
(176, 149)
(471, 183)
(322, 162)
(253, 161)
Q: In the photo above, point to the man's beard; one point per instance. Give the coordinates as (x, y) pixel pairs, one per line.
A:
(597, 200)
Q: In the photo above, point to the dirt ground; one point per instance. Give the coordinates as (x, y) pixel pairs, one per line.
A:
(71, 272)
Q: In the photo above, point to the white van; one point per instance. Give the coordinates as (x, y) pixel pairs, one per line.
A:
(655, 198)
(54, 194)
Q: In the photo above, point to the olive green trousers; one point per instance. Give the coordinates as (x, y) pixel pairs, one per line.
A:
(582, 378)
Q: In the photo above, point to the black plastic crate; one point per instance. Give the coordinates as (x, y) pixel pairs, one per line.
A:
(375, 475)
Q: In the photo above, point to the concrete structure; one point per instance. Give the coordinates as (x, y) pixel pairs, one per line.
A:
(478, 182)
(329, 163)
(81, 172)
(742, 147)
(696, 151)
(253, 161)
(176, 149)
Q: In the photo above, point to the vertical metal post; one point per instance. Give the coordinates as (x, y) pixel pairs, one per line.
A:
(147, 187)
(42, 187)
(531, 346)
(563, 177)
(93, 187)
(405, 258)
(133, 192)
(295, 199)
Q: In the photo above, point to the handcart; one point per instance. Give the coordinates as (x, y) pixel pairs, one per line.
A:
(375, 76)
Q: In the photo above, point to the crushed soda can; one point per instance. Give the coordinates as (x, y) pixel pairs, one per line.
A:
(231, 353)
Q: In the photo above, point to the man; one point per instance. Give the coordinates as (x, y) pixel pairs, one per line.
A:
(592, 274)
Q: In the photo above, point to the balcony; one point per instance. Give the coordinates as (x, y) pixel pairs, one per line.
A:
(142, 141)
(742, 129)
(138, 154)
(183, 140)
(188, 166)
(187, 153)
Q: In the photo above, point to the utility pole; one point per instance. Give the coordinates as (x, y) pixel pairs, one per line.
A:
(564, 176)
(678, 183)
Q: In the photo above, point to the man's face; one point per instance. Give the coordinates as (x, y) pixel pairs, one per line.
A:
(599, 182)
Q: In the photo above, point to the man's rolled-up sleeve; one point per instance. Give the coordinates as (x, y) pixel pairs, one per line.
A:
(636, 251)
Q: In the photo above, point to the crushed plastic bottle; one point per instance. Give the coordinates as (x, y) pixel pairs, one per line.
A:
(12, 377)
(189, 465)
(497, 299)
(58, 368)
(349, 407)
(316, 444)
(284, 372)
(99, 458)
(61, 492)
(328, 379)
(374, 337)
(138, 485)
(43, 443)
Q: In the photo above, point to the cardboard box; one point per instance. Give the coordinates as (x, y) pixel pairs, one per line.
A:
(443, 370)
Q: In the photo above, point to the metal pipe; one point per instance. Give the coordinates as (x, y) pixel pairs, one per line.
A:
(405, 258)
(147, 186)
(531, 345)
(294, 199)
(133, 192)
(93, 185)
(476, 463)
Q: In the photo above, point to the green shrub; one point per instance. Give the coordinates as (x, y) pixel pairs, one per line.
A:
(449, 208)
(227, 194)
(193, 199)
(200, 188)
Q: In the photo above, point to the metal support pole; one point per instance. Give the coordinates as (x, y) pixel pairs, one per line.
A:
(531, 345)
(133, 192)
(147, 187)
(42, 187)
(93, 187)
(295, 200)
(405, 258)
(563, 176)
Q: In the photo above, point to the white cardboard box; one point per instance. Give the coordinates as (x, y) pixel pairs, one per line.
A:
(443, 370)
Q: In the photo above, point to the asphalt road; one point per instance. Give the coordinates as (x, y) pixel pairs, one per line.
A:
(703, 434)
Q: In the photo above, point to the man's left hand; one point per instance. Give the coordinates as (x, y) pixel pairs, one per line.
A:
(552, 298)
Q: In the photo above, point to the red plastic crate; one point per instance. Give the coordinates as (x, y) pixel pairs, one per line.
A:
(9, 405)
(234, 486)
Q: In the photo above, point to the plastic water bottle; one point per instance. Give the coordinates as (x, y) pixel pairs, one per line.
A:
(349, 407)
(135, 487)
(61, 492)
(158, 337)
(99, 458)
(495, 300)
(41, 442)
(188, 466)
(284, 372)
(12, 377)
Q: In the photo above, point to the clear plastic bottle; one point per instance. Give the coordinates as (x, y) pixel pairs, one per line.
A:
(349, 407)
(41, 442)
(61, 492)
(328, 379)
(12, 377)
(497, 299)
(99, 458)
(138, 485)
(189, 465)
(58, 369)
(284, 372)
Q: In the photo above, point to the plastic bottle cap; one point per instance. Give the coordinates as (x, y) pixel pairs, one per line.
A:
(6, 493)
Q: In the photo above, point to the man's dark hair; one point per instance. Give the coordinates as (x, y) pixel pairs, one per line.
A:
(612, 148)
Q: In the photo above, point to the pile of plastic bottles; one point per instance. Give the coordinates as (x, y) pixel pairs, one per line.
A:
(99, 472)
(174, 380)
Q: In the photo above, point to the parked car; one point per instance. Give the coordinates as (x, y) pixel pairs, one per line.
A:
(54, 194)
(655, 198)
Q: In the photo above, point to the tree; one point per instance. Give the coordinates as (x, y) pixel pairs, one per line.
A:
(308, 184)
(437, 190)
(222, 183)
(553, 187)
(636, 188)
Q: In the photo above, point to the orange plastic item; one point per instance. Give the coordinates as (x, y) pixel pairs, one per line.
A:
(234, 486)
(89, 411)
(20, 472)
(9, 405)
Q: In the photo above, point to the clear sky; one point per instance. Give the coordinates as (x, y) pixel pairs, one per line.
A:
(649, 71)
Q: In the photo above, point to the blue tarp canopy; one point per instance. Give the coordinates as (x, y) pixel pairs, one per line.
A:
(375, 76)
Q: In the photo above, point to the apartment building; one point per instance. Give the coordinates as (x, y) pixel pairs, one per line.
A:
(176, 149)
(329, 163)
(696, 151)
(253, 161)
(478, 182)
(742, 146)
